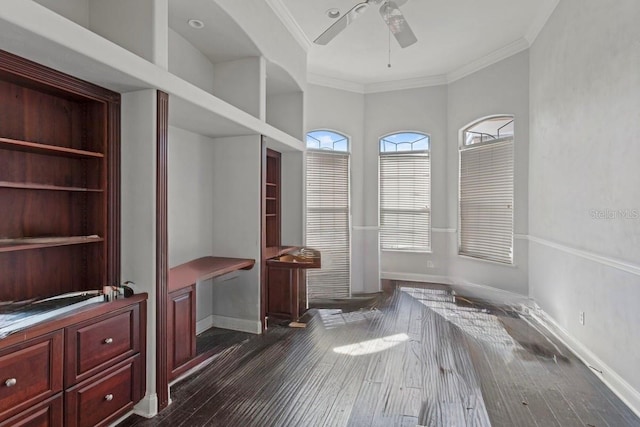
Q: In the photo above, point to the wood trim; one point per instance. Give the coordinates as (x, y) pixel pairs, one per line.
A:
(113, 192)
(162, 248)
(47, 78)
(263, 237)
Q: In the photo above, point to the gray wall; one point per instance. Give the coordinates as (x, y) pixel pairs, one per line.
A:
(501, 88)
(584, 175)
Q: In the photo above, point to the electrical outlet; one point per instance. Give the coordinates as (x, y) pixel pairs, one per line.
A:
(581, 318)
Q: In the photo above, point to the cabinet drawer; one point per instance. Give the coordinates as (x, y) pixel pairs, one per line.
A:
(45, 414)
(95, 345)
(30, 372)
(98, 401)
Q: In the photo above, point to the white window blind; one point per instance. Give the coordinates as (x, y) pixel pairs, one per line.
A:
(486, 201)
(405, 216)
(328, 223)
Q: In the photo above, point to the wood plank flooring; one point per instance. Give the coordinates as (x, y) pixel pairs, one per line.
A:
(421, 356)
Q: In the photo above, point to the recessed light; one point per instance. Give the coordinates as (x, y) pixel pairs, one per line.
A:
(195, 23)
(333, 13)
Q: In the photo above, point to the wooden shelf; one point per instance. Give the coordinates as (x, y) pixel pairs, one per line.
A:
(270, 198)
(50, 150)
(204, 268)
(271, 184)
(12, 245)
(31, 186)
(270, 215)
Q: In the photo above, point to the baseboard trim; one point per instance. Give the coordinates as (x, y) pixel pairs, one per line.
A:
(236, 324)
(617, 384)
(148, 406)
(204, 324)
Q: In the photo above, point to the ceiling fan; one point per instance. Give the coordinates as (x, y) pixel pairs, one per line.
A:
(390, 13)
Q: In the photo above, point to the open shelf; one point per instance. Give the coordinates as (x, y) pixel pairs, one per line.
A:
(31, 186)
(51, 150)
(12, 245)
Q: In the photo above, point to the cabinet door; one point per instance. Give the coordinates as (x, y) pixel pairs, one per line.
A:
(181, 340)
(30, 372)
(45, 414)
(105, 397)
(95, 345)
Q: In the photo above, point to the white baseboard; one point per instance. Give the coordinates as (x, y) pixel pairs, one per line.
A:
(148, 406)
(236, 324)
(204, 324)
(617, 384)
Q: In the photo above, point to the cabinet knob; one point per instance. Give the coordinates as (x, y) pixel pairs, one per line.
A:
(108, 340)
(108, 397)
(10, 382)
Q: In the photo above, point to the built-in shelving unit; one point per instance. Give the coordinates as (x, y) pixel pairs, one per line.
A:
(56, 149)
(272, 199)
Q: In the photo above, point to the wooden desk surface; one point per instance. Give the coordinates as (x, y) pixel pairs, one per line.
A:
(205, 268)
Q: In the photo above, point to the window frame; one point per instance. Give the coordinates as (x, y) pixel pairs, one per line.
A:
(330, 152)
(429, 211)
(462, 146)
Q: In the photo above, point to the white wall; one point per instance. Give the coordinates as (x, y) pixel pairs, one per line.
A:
(584, 175)
(285, 111)
(501, 88)
(422, 110)
(188, 63)
(343, 112)
(236, 227)
(75, 10)
(138, 210)
(139, 26)
(242, 83)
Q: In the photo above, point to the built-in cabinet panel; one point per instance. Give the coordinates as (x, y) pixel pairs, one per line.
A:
(181, 320)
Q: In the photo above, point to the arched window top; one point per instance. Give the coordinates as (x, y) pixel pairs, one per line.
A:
(404, 142)
(492, 129)
(328, 141)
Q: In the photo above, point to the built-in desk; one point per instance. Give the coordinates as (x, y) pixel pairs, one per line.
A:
(286, 282)
(181, 304)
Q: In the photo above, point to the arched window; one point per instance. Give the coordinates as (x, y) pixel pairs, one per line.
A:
(405, 192)
(328, 214)
(486, 190)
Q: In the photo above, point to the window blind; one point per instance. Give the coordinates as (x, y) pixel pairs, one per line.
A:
(328, 224)
(405, 216)
(486, 201)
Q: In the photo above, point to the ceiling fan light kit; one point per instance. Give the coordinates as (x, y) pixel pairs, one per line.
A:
(391, 14)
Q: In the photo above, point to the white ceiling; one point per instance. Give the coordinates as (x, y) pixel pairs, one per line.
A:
(452, 34)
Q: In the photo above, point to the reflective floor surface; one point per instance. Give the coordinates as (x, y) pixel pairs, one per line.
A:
(418, 355)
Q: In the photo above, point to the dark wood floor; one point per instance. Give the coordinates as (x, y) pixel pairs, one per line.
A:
(422, 356)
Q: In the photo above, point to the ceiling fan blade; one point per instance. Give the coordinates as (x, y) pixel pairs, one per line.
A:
(398, 26)
(341, 23)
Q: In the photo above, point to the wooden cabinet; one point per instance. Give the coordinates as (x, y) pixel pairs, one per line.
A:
(97, 402)
(94, 345)
(45, 414)
(31, 372)
(59, 151)
(95, 373)
(272, 202)
(181, 319)
(60, 233)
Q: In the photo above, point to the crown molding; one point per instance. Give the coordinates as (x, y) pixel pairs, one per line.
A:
(541, 20)
(282, 12)
(412, 83)
(488, 60)
(334, 83)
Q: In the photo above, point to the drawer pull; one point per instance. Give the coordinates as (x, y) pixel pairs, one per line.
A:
(108, 340)
(108, 397)
(10, 382)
